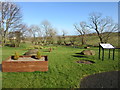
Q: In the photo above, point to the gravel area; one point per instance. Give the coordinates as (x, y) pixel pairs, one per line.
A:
(28, 59)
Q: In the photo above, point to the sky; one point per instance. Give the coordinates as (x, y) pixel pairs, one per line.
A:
(62, 15)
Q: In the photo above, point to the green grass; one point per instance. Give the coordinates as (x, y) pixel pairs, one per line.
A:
(63, 72)
(94, 40)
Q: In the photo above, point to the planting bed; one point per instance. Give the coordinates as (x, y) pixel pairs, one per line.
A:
(25, 64)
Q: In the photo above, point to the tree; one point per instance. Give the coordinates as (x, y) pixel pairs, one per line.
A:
(34, 31)
(64, 36)
(82, 29)
(23, 28)
(16, 36)
(49, 32)
(72, 40)
(59, 40)
(45, 26)
(103, 26)
(10, 18)
(52, 34)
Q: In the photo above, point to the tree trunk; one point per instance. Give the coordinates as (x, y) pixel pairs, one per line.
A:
(83, 40)
(4, 39)
(101, 40)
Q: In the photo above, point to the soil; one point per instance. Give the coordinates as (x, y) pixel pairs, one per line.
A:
(27, 59)
(85, 61)
(101, 80)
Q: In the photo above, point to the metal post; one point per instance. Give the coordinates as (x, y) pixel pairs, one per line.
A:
(103, 54)
(113, 53)
(99, 51)
(109, 54)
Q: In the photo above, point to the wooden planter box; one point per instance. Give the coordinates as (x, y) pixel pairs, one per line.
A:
(25, 65)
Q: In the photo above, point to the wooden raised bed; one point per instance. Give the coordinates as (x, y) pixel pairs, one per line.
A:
(25, 64)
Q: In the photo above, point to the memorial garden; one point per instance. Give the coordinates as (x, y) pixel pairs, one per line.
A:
(37, 56)
(63, 69)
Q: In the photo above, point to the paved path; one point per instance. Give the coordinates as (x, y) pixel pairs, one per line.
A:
(101, 80)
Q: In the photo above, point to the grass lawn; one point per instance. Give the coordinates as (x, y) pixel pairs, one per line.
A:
(63, 72)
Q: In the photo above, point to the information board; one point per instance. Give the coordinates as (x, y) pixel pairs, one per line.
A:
(106, 46)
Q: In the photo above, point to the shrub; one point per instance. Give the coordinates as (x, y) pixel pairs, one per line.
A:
(40, 47)
(38, 56)
(50, 50)
(36, 47)
(16, 56)
(30, 47)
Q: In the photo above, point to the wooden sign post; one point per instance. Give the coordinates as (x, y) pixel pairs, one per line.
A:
(106, 46)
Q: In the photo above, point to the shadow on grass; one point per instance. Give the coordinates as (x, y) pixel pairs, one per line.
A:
(78, 53)
(0, 67)
(46, 51)
(79, 56)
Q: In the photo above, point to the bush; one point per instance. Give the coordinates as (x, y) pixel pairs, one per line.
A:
(40, 47)
(38, 56)
(16, 56)
(36, 47)
(50, 50)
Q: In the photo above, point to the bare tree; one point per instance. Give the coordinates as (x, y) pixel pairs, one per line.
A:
(59, 40)
(49, 32)
(103, 26)
(24, 30)
(34, 31)
(52, 34)
(10, 18)
(64, 36)
(46, 26)
(16, 36)
(72, 40)
(82, 29)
